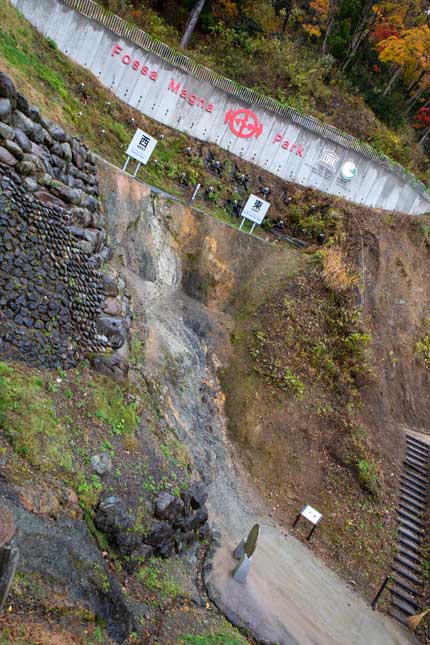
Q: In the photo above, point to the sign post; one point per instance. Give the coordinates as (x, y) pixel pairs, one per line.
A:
(141, 148)
(310, 514)
(254, 210)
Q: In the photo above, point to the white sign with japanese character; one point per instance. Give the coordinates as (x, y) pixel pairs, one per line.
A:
(255, 209)
(141, 147)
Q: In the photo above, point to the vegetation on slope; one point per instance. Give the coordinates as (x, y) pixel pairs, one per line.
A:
(301, 359)
(329, 367)
(51, 423)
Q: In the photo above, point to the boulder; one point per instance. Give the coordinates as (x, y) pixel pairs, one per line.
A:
(6, 157)
(5, 109)
(57, 132)
(27, 168)
(198, 494)
(114, 366)
(110, 285)
(205, 531)
(80, 217)
(161, 533)
(193, 522)
(127, 542)
(167, 549)
(7, 89)
(167, 506)
(38, 150)
(30, 185)
(37, 134)
(67, 151)
(91, 203)
(97, 221)
(69, 195)
(102, 463)
(6, 132)
(23, 123)
(14, 149)
(86, 247)
(70, 502)
(141, 554)
(39, 500)
(22, 104)
(115, 329)
(22, 140)
(45, 179)
(48, 199)
(112, 516)
(112, 307)
(106, 254)
(34, 113)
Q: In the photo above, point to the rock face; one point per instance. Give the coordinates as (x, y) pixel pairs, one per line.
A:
(52, 243)
(65, 556)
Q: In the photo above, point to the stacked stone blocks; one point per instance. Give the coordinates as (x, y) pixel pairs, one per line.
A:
(53, 242)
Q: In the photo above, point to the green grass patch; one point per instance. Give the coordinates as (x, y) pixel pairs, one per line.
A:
(112, 408)
(157, 577)
(56, 420)
(214, 638)
(31, 425)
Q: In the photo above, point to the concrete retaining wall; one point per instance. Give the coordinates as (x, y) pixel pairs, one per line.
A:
(168, 87)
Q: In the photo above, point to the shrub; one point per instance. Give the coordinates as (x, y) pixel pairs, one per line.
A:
(335, 272)
(422, 346)
(368, 476)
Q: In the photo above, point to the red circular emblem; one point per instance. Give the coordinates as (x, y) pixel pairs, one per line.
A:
(244, 123)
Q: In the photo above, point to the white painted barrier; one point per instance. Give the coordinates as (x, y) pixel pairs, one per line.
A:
(170, 88)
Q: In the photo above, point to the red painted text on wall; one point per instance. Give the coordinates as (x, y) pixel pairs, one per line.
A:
(190, 97)
(136, 64)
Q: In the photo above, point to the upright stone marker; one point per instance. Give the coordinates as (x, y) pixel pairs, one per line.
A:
(244, 552)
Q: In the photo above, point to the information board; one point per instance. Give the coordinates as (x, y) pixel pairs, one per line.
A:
(141, 146)
(255, 209)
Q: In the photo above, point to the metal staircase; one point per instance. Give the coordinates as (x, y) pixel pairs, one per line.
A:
(409, 569)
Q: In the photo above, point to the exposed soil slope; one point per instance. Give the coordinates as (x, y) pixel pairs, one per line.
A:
(323, 378)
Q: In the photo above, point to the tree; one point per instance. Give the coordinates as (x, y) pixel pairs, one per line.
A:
(409, 52)
(283, 7)
(192, 22)
(422, 122)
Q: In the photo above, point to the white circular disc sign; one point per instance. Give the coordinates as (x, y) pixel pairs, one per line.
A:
(348, 170)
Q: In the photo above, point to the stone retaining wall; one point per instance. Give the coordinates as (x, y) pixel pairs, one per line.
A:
(56, 307)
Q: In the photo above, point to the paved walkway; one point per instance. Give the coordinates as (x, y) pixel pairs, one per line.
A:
(292, 598)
